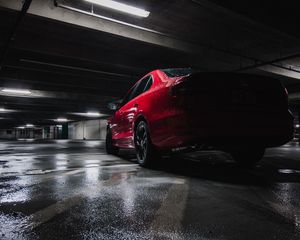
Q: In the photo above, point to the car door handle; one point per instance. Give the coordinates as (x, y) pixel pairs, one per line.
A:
(136, 105)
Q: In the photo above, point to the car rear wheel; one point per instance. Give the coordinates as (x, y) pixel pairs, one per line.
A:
(248, 157)
(110, 148)
(146, 154)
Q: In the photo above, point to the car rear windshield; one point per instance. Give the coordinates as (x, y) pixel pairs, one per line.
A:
(177, 72)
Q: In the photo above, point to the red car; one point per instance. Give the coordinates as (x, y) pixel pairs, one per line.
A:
(171, 110)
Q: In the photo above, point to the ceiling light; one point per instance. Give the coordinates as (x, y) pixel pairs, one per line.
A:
(21, 127)
(16, 91)
(61, 120)
(121, 7)
(89, 13)
(29, 125)
(93, 114)
(2, 110)
(297, 126)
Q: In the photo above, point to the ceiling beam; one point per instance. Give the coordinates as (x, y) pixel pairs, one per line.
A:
(280, 71)
(47, 9)
(274, 63)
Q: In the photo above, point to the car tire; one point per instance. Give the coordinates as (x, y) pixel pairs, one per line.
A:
(248, 157)
(146, 154)
(109, 147)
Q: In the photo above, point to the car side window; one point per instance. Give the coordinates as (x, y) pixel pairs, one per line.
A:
(149, 84)
(143, 86)
(140, 88)
(129, 95)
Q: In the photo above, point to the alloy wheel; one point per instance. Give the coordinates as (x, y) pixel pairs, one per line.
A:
(141, 143)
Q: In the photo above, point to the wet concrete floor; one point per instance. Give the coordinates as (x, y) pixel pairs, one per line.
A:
(74, 190)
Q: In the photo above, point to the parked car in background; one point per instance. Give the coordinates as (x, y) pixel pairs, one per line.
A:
(170, 110)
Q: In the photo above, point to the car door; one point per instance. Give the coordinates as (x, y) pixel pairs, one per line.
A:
(130, 111)
(117, 125)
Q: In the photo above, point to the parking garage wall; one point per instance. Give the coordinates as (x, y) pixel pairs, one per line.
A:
(91, 129)
(7, 134)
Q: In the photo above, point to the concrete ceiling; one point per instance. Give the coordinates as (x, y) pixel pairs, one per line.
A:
(76, 62)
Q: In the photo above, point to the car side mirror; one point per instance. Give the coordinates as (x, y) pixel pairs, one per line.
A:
(114, 106)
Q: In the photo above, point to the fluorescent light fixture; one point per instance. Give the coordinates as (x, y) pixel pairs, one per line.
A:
(93, 114)
(16, 91)
(21, 127)
(29, 125)
(89, 13)
(2, 110)
(61, 120)
(121, 7)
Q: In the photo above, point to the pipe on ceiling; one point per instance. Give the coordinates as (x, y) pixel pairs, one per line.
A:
(13, 34)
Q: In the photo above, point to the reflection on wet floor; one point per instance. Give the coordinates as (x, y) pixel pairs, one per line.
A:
(73, 190)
